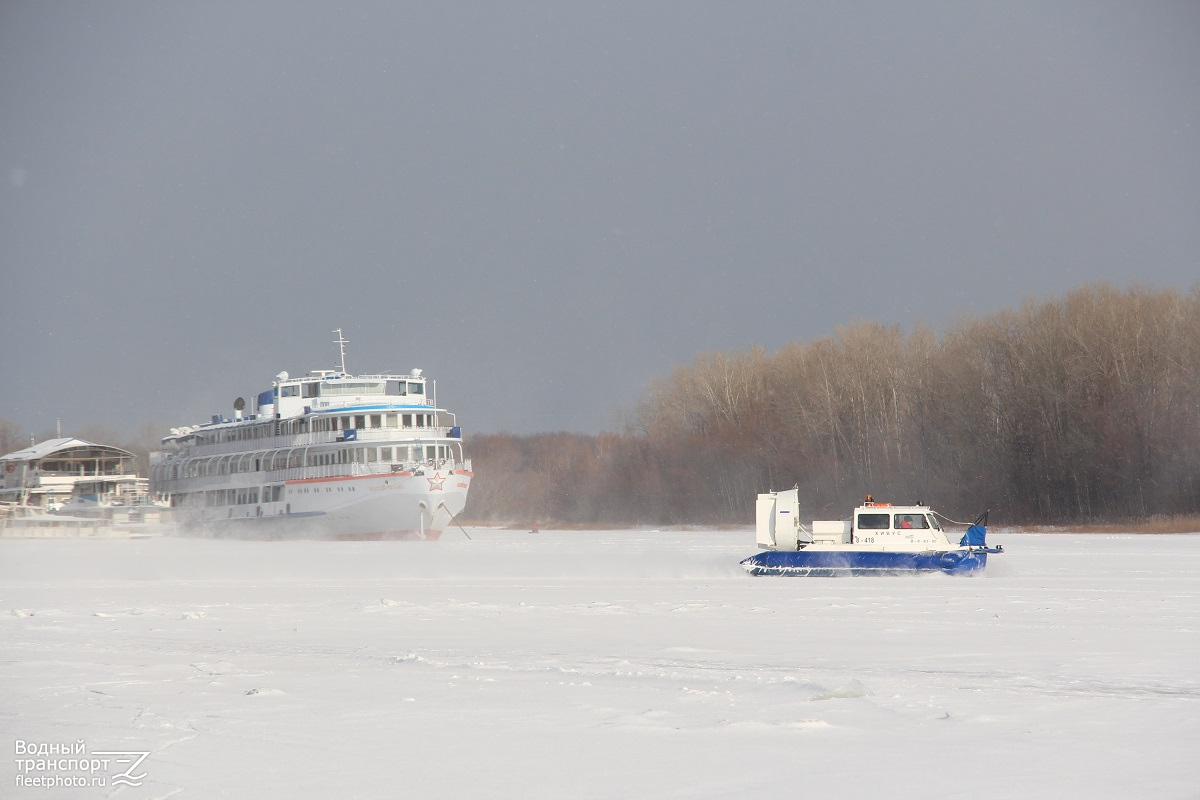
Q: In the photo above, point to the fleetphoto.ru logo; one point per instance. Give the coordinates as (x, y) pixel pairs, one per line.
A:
(49, 764)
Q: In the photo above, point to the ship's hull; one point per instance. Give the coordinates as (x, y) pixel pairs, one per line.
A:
(836, 563)
(367, 507)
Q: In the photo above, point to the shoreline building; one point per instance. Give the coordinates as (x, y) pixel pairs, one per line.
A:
(44, 476)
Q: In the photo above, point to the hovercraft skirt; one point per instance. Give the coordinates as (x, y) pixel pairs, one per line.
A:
(828, 564)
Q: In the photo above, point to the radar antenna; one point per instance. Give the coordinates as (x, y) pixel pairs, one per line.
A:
(341, 342)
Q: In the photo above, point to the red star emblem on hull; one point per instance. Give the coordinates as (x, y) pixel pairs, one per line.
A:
(435, 483)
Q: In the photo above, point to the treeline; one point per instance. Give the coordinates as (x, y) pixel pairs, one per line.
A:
(1079, 409)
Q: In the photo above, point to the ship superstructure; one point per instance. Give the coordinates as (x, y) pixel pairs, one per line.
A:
(328, 454)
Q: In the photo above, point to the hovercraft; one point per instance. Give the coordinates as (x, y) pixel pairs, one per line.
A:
(878, 539)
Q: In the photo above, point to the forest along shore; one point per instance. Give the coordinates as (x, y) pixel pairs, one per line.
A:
(1070, 414)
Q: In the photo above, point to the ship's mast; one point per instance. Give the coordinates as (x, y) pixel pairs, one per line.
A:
(341, 342)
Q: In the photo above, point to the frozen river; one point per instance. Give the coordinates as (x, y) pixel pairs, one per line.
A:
(614, 664)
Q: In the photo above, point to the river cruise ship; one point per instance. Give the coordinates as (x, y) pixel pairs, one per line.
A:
(327, 455)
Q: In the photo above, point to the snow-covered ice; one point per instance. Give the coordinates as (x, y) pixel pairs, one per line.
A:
(614, 664)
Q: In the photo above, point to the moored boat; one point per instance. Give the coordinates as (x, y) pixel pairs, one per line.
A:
(327, 455)
(124, 498)
(878, 539)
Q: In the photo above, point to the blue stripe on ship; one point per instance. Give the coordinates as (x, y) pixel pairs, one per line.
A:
(352, 409)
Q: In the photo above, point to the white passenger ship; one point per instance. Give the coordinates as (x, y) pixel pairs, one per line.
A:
(328, 455)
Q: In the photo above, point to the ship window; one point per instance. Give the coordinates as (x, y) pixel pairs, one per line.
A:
(374, 387)
(874, 522)
(360, 422)
(933, 523)
(372, 454)
(309, 389)
(376, 421)
(385, 454)
(408, 420)
(911, 521)
(396, 388)
(416, 388)
(289, 391)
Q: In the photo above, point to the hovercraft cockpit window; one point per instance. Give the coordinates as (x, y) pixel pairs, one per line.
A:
(874, 522)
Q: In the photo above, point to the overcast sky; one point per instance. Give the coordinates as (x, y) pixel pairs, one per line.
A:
(548, 205)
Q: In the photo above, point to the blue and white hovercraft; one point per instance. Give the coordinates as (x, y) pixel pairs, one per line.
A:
(879, 539)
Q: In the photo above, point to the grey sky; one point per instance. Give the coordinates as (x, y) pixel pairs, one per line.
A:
(546, 205)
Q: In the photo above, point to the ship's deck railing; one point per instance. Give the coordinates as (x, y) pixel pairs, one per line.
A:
(400, 436)
(442, 466)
